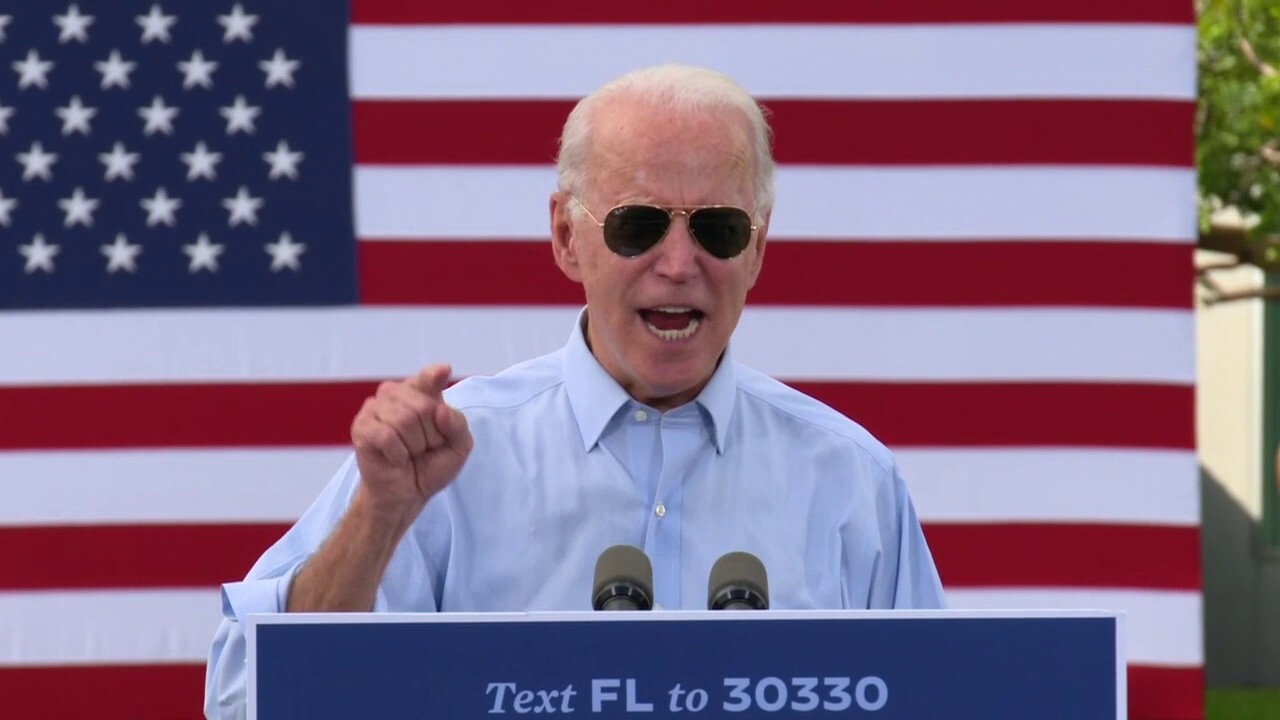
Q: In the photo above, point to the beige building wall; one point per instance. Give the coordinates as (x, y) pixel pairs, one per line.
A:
(1229, 387)
(1241, 573)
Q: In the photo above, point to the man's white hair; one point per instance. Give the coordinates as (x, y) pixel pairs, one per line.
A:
(679, 87)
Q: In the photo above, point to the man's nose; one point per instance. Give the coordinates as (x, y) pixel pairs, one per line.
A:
(678, 252)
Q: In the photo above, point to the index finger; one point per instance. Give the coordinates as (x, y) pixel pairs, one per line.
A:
(432, 379)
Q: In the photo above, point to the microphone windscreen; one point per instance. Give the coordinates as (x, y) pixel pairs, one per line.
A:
(624, 576)
(737, 573)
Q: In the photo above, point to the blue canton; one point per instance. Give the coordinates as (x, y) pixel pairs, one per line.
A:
(175, 154)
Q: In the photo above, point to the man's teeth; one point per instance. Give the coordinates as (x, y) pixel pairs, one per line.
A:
(674, 310)
(673, 335)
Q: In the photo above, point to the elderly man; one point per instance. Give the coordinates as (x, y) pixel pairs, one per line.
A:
(499, 493)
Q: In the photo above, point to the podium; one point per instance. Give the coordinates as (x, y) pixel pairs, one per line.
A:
(731, 664)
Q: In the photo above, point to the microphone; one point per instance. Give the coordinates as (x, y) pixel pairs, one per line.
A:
(738, 582)
(624, 580)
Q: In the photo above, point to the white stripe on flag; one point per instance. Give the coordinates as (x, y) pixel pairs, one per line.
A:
(1016, 485)
(780, 61)
(156, 346)
(1163, 626)
(966, 344)
(1110, 203)
(250, 485)
(233, 485)
(57, 628)
(107, 626)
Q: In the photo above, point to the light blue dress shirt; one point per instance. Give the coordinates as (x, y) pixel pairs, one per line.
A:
(566, 464)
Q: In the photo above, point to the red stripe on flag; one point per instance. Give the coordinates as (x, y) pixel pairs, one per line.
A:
(1164, 693)
(477, 272)
(179, 415)
(821, 132)
(309, 414)
(968, 555)
(68, 557)
(103, 692)
(403, 12)
(166, 692)
(1066, 555)
(1017, 414)
(800, 272)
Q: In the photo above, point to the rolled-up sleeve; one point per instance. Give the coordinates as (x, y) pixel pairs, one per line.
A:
(225, 679)
(266, 590)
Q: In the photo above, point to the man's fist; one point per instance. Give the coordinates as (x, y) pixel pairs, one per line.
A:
(409, 444)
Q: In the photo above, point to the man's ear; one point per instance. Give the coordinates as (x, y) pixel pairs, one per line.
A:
(563, 239)
(756, 251)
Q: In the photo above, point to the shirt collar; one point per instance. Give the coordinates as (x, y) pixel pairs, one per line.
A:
(718, 397)
(596, 397)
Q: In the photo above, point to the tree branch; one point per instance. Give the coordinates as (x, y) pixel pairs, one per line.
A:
(1262, 293)
(1232, 239)
(1215, 290)
(1246, 47)
(1204, 270)
(1227, 238)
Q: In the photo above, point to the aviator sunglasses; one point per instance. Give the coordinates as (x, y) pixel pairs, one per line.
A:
(630, 230)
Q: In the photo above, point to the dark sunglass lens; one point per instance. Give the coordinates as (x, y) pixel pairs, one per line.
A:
(633, 229)
(724, 232)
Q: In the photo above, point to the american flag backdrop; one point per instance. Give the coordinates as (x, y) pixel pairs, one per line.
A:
(221, 222)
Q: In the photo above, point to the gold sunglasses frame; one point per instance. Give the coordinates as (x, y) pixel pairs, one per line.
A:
(672, 211)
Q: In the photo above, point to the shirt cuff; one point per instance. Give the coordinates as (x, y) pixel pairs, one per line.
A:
(256, 596)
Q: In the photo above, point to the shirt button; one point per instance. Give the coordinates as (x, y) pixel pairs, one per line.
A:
(642, 415)
(660, 510)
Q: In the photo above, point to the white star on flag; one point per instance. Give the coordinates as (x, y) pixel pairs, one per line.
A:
(33, 71)
(4, 23)
(37, 163)
(279, 69)
(115, 71)
(240, 116)
(119, 163)
(6, 208)
(155, 25)
(5, 114)
(285, 253)
(284, 163)
(121, 254)
(39, 255)
(79, 209)
(159, 117)
(73, 25)
(75, 116)
(238, 25)
(197, 71)
(200, 162)
(161, 208)
(203, 254)
(243, 208)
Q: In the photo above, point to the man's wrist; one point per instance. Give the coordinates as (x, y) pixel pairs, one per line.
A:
(382, 519)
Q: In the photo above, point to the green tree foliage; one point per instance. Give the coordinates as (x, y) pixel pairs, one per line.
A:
(1238, 124)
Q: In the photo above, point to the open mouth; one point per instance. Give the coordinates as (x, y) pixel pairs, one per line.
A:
(672, 323)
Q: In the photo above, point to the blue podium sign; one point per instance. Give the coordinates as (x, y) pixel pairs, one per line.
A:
(810, 664)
